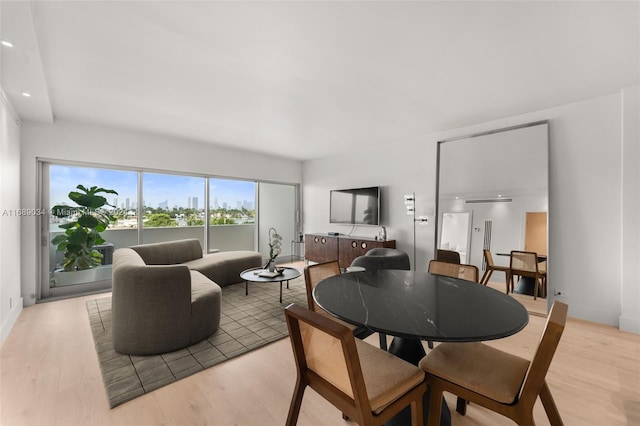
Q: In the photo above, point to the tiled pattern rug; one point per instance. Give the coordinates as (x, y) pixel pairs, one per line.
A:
(246, 323)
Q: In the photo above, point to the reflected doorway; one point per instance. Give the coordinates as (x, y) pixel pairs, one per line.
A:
(535, 233)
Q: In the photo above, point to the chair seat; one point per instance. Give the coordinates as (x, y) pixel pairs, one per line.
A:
(467, 365)
(386, 376)
(500, 268)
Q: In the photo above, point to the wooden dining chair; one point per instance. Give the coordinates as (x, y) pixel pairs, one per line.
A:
(503, 383)
(449, 256)
(367, 384)
(462, 271)
(315, 273)
(525, 264)
(491, 267)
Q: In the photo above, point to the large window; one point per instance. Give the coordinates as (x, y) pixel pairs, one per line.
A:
(173, 207)
(154, 207)
(64, 179)
(232, 214)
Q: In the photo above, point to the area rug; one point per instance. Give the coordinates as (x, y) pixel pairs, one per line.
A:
(246, 323)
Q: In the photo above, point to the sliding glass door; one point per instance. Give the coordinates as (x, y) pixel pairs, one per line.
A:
(121, 232)
(278, 209)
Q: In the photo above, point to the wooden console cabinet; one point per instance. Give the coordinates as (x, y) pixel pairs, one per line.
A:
(325, 248)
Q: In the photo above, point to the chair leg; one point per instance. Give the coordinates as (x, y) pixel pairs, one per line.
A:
(535, 288)
(509, 280)
(550, 405)
(461, 406)
(435, 406)
(417, 415)
(486, 276)
(296, 402)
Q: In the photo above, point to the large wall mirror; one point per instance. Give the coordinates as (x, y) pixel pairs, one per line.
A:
(499, 181)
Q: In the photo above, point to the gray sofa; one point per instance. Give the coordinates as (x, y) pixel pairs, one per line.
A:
(166, 296)
(223, 268)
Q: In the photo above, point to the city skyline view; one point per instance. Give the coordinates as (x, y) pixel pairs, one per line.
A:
(159, 190)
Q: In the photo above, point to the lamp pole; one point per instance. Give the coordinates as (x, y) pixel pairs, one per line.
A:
(410, 204)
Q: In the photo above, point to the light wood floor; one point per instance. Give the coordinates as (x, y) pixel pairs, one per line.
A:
(49, 376)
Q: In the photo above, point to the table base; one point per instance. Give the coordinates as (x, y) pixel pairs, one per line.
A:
(526, 285)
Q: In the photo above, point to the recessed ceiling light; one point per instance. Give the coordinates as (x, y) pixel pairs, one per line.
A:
(26, 95)
(6, 43)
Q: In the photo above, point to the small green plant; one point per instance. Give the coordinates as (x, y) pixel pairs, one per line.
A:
(82, 233)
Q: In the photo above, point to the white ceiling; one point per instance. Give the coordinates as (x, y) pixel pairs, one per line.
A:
(303, 79)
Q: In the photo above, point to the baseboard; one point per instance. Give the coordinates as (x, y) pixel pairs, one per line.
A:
(11, 320)
(629, 324)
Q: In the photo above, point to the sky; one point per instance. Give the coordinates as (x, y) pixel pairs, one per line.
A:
(157, 188)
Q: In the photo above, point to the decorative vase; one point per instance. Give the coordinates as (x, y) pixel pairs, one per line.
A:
(272, 265)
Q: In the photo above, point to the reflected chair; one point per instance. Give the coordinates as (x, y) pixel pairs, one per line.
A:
(449, 256)
(525, 264)
(462, 271)
(491, 267)
(503, 383)
(367, 384)
(313, 274)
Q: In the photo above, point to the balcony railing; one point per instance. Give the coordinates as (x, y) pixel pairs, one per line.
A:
(221, 237)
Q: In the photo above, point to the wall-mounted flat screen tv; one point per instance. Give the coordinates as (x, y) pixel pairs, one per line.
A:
(359, 206)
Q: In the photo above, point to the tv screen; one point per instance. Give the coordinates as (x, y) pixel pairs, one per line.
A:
(359, 206)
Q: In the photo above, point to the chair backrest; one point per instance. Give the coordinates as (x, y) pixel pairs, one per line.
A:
(325, 351)
(313, 274)
(546, 349)
(383, 258)
(488, 258)
(449, 256)
(462, 271)
(524, 262)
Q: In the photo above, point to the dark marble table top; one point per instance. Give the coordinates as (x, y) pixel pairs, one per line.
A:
(421, 305)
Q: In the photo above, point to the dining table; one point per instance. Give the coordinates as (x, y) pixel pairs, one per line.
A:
(417, 306)
(526, 285)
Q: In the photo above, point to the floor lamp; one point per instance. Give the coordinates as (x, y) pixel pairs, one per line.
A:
(410, 204)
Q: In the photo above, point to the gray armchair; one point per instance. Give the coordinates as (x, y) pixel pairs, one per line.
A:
(383, 258)
(160, 308)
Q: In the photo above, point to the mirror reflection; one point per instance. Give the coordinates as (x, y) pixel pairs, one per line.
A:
(498, 182)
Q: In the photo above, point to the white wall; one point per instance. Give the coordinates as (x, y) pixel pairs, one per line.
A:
(71, 141)
(10, 296)
(585, 197)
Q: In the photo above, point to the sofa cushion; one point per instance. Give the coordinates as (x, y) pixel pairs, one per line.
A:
(224, 267)
(170, 252)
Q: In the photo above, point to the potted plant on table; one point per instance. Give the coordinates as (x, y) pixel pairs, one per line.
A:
(275, 247)
(82, 233)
